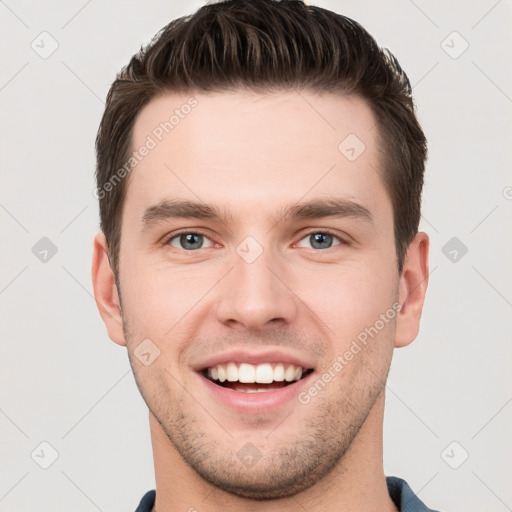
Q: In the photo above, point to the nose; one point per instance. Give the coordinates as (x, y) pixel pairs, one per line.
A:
(256, 294)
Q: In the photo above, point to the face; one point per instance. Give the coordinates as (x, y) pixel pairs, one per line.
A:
(286, 259)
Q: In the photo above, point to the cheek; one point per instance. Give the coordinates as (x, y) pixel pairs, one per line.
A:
(351, 297)
(160, 301)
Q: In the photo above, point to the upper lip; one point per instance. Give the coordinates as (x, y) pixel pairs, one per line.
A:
(254, 357)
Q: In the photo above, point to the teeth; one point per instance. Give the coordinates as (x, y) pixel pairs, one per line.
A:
(279, 372)
(232, 372)
(246, 373)
(265, 373)
(289, 374)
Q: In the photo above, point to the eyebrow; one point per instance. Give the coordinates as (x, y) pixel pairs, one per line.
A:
(313, 209)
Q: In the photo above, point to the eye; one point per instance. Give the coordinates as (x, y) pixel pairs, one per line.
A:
(322, 239)
(188, 240)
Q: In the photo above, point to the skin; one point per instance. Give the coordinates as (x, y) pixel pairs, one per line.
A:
(254, 154)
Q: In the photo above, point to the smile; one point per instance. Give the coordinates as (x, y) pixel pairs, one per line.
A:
(251, 378)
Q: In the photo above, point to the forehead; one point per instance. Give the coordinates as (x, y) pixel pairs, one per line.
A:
(255, 152)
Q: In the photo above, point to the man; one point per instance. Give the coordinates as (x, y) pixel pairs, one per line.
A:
(259, 169)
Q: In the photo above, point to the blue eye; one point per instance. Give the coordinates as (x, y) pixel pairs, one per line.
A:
(189, 241)
(322, 239)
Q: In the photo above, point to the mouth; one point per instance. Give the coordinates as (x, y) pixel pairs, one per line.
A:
(255, 378)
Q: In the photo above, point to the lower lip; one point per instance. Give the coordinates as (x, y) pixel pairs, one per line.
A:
(263, 401)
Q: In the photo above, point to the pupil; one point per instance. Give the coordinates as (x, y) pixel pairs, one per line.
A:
(191, 238)
(321, 238)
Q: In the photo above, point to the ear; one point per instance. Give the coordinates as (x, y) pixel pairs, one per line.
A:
(105, 290)
(412, 289)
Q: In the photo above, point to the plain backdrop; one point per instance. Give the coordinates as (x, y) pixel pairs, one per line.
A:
(63, 383)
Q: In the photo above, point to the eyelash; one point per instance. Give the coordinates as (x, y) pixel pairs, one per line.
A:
(168, 239)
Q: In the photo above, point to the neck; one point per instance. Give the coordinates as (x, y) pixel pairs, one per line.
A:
(356, 484)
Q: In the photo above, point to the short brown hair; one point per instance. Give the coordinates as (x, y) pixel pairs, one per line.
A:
(266, 45)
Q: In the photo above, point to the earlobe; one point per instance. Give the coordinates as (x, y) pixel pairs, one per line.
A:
(412, 289)
(105, 290)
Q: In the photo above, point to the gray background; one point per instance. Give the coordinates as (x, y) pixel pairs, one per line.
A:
(65, 383)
